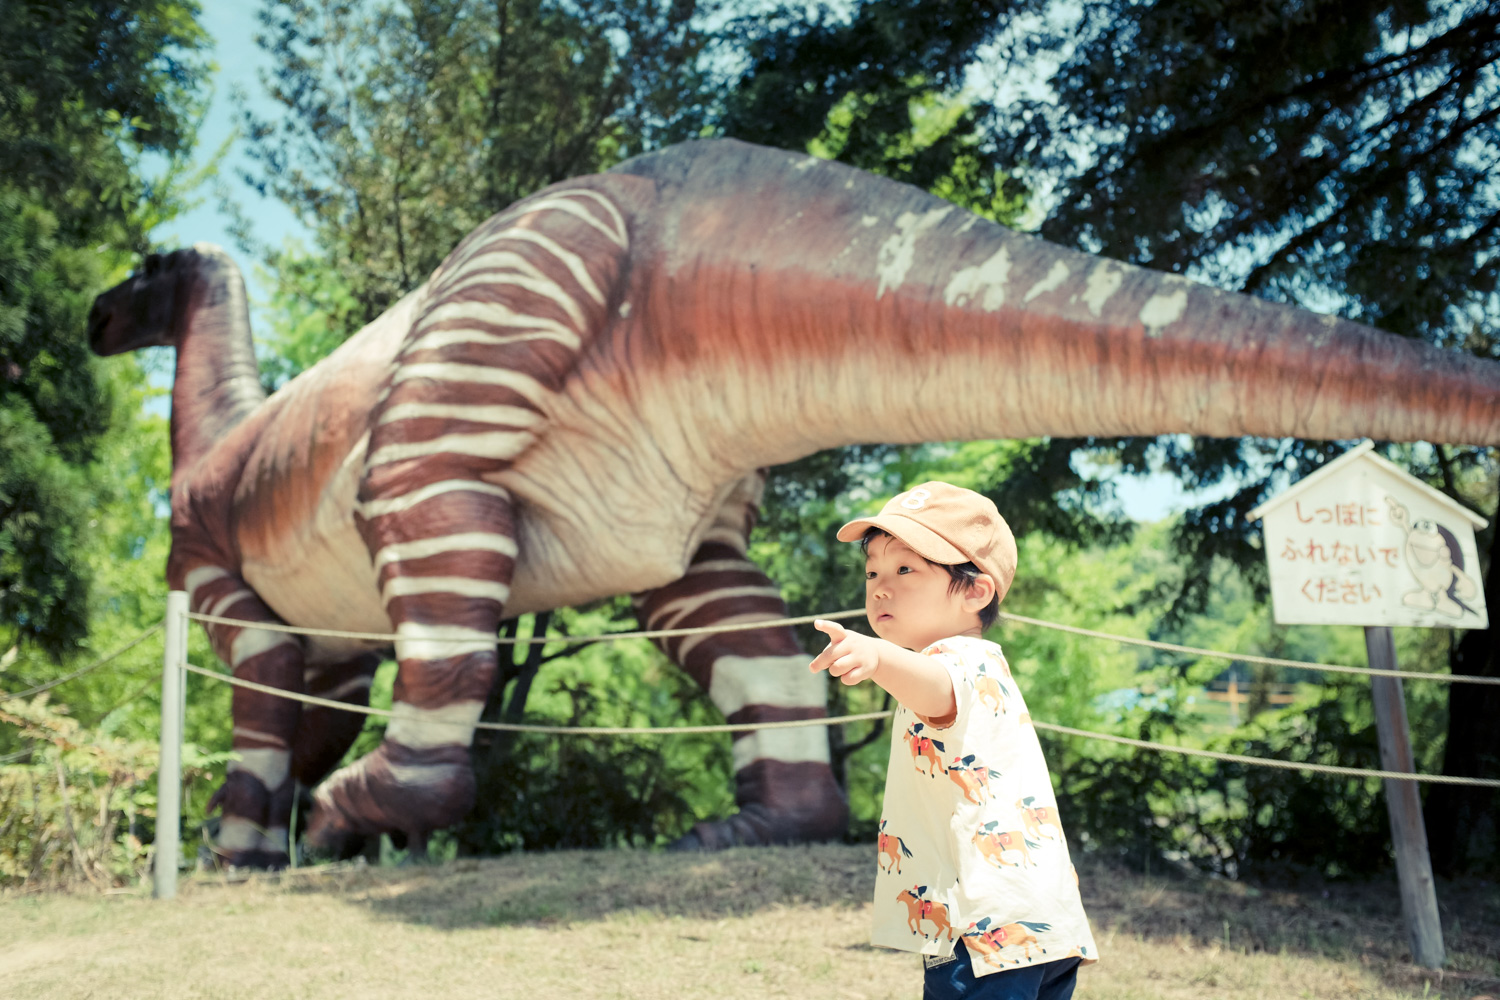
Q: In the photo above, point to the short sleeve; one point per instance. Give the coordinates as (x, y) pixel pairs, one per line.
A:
(958, 661)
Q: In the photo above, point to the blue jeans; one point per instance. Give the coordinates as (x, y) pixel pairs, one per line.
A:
(955, 981)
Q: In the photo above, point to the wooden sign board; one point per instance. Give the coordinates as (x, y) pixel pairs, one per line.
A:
(1361, 542)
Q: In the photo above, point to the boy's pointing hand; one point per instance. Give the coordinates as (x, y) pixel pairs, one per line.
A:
(849, 656)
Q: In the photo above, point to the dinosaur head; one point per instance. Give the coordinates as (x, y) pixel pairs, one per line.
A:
(145, 309)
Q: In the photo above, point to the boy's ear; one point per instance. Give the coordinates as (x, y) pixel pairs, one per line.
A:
(981, 591)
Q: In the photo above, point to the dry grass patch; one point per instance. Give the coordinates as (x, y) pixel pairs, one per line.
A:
(749, 923)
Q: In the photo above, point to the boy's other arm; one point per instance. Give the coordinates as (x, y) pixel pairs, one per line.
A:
(918, 682)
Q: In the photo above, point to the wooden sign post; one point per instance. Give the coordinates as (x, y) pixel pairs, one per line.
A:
(1361, 542)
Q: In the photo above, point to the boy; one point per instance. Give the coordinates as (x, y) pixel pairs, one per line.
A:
(974, 871)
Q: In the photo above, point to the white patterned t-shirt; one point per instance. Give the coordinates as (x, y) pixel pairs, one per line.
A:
(970, 843)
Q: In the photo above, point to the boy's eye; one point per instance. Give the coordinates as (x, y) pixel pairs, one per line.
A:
(904, 569)
(869, 574)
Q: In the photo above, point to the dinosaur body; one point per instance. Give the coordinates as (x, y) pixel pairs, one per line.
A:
(577, 404)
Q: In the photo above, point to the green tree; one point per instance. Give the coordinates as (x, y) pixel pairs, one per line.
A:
(86, 90)
(406, 123)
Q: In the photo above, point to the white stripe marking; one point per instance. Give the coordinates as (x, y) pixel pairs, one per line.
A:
(226, 603)
(502, 268)
(720, 566)
(779, 681)
(421, 548)
(200, 576)
(236, 834)
(419, 775)
(424, 728)
(246, 733)
(406, 501)
(337, 692)
(270, 766)
(802, 744)
(440, 371)
(494, 314)
(673, 611)
(252, 642)
(498, 414)
(497, 445)
(608, 206)
(567, 258)
(463, 586)
(689, 643)
(437, 642)
(558, 203)
(439, 339)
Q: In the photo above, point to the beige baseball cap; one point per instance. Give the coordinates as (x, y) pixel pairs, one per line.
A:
(946, 524)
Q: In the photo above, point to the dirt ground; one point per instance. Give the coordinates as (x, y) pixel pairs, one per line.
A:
(748, 923)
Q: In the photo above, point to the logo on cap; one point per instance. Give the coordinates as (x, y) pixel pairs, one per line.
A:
(916, 499)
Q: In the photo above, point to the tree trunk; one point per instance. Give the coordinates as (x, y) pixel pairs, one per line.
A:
(1463, 824)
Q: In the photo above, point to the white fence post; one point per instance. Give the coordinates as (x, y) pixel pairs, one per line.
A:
(169, 771)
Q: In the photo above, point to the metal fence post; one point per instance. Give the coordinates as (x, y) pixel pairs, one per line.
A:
(169, 771)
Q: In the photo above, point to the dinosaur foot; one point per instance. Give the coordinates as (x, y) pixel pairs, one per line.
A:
(253, 829)
(780, 803)
(395, 789)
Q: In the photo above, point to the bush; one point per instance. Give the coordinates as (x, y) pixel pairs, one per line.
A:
(73, 802)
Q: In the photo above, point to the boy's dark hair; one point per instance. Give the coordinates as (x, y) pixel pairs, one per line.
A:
(960, 577)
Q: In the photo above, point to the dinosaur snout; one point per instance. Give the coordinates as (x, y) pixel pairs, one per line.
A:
(98, 322)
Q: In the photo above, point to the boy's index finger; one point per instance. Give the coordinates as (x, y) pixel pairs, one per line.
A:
(832, 629)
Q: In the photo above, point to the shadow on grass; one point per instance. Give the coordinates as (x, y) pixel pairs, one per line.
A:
(1356, 922)
(584, 886)
(1345, 922)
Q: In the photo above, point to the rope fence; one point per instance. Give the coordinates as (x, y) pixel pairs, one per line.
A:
(1270, 661)
(29, 692)
(669, 633)
(839, 720)
(174, 701)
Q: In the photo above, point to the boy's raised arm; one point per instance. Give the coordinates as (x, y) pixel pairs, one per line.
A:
(918, 682)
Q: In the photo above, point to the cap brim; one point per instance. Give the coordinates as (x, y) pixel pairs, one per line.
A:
(921, 539)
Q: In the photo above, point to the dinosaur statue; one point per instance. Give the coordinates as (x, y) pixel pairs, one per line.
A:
(579, 402)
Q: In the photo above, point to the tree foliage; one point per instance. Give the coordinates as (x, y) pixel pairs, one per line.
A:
(86, 89)
(403, 125)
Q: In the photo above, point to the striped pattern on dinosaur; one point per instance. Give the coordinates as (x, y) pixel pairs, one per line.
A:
(503, 323)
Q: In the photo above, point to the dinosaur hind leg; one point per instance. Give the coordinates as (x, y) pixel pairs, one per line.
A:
(324, 735)
(256, 796)
(784, 784)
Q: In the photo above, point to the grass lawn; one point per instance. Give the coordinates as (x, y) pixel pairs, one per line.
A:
(748, 923)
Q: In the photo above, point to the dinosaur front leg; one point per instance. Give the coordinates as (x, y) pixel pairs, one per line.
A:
(784, 783)
(443, 553)
(257, 792)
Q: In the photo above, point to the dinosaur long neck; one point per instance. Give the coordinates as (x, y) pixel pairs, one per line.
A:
(801, 305)
(218, 380)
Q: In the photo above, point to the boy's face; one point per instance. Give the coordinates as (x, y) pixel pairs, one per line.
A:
(908, 600)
